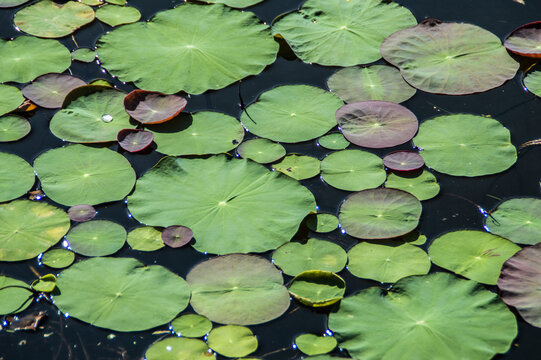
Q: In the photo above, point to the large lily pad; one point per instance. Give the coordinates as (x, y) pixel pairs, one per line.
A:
(121, 294)
(26, 57)
(525, 40)
(465, 145)
(518, 220)
(16, 176)
(96, 238)
(174, 348)
(379, 213)
(262, 151)
(15, 295)
(49, 90)
(48, 19)
(342, 33)
(218, 199)
(29, 228)
(408, 321)
(78, 174)
(238, 289)
(11, 98)
(232, 340)
(177, 38)
(449, 58)
(422, 185)
(292, 113)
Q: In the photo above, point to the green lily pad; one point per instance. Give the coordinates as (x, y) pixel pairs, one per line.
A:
(387, 262)
(58, 258)
(232, 341)
(49, 90)
(96, 238)
(13, 128)
(145, 238)
(518, 220)
(334, 141)
(29, 228)
(114, 15)
(376, 82)
(294, 258)
(317, 288)
(11, 3)
(353, 170)
(311, 344)
(184, 39)
(533, 82)
(15, 295)
(78, 174)
(379, 213)
(292, 113)
(413, 238)
(322, 222)
(26, 57)
(48, 19)
(204, 132)
(191, 325)
(262, 151)
(299, 167)
(341, 33)
(476, 255)
(174, 348)
(45, 283)
(238, 289)
(449, 58)
(423, 186)
(407, 322)
(97, 117)
(16, 177)
(465, 145)
(236, 3)
(525, 40)
(219, 197)
(116, 2)
(83, 55)
(121, 294)
(11, 98)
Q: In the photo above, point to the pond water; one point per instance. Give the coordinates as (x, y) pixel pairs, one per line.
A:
(515, 108)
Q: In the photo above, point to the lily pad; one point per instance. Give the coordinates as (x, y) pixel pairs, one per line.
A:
(520, 283)
(121, 294)
(334, 141)
(82, 213)
(262, 151)
(294, 258)
(184, 39)
(376, 124)
(191, 325)
(387, 262)
(292, 113)
(134, 140)
(26, 57)
(299, 167)
(408, 320)
(525, 40)
(58, 258)
(204, 132)
(48, 19)
(96, 238)
(379, 213)
(403, 160)
(78, 174)
(114, 15)
(219, 197)
(238, 289)
(476, 255)
(322, 222)
(353, 170)
(174, 348)
(45, 283)
(151, 107)
(376, 82)
(11, 3)
(49, 90)
(145, 238)
(11, 98)
(533, 82)
(236, 3)
(176, 236)
(232, 341)
(311, 344)
(29, 228)
(83, 55)
(423, 186)
(16, 177)
(13, 128)
(341, 33)
(465, 145)
(15, 295)
(449, 58)
(518, 220)
(317, 288)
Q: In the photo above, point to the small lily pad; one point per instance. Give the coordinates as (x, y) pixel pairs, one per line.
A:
(96, 238)
(423, 185)
(152, 107)
(174, 348)
(333, 141)
(533, 82)
(262, 151)
(311, 344)
(11, 3)
(232, 340)
(11, 98)
(82, 213)
(58, 258)
(16, 177)
(317, 288)
(525, 40)
(403, 160)
(83, 55)
(518, 220)
(134, 140)
(15, 295)
(236, 3)
(176, 236)
(114, 15)
(322, 222)
(299, 167)
(13, 128)
(191, 325)
(49, 90)
(145, 238)
(45, 283)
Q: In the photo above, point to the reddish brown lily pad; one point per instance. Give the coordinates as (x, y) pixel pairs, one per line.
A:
(176, 236)
(82, 213)
(134, 140)
(403, 160)
(49, 90)
(376, 124)
(152, 107)
(525, 40)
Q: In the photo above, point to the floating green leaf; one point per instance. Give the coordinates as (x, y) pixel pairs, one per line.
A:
(322, 222)
(299, 167)
(11, 3)
(518, 220)
(465, 145)
(533, 82)
(83, 55)
(96, 238)
(238, 289)
(232, 341)
(145, 238)
(422, 185)
(45, 283)
(16, 177)
(174, 348)
(191, 325)
(11, 98)
(236, 3)
(311, 344)
(13, 128)
(58, 258)
(317, 288)
(121, 294)
(262, 151)
(114, 15)
(15, 295)
(333, 141)
(49, 90)
(525, 40)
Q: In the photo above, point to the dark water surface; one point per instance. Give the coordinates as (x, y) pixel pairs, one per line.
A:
(517, 109)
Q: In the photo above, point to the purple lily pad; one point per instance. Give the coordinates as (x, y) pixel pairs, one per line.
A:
(152, 107)
(176, 236)
(49, 90)
(525, 40)
(134, 140)
(403, 160)
(376, 124)
(82, 213)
